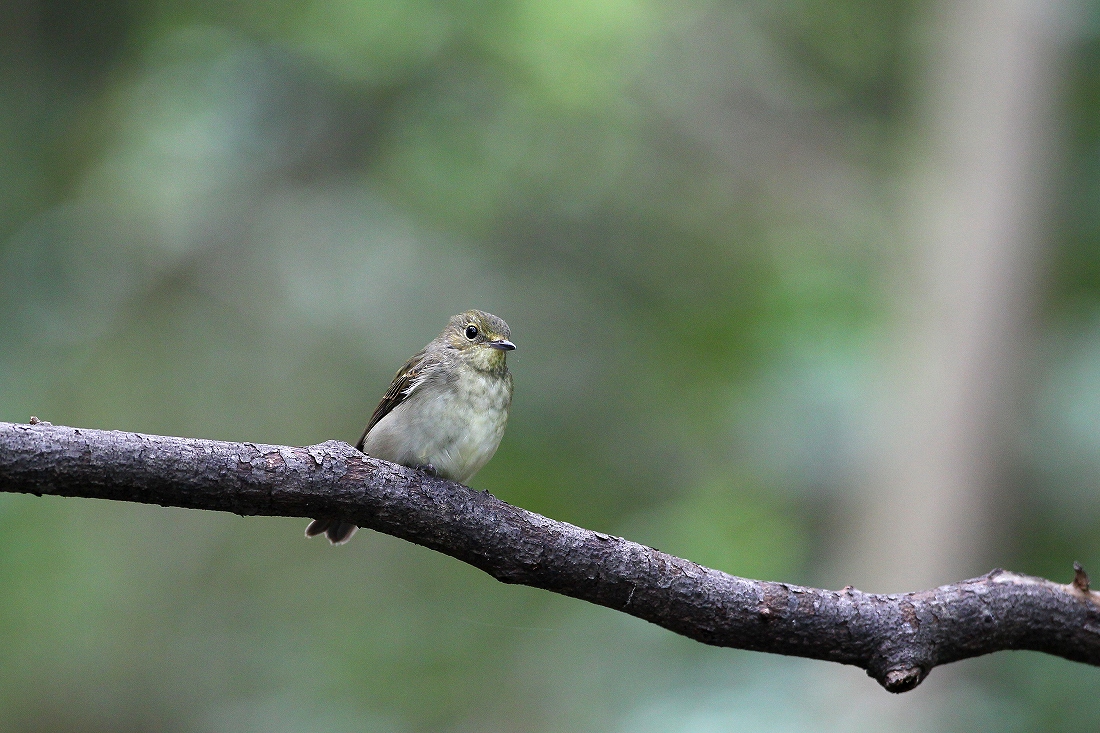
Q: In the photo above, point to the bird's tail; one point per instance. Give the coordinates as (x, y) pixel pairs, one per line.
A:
(337, 531)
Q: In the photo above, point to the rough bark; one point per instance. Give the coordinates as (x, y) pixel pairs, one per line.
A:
(897, 638)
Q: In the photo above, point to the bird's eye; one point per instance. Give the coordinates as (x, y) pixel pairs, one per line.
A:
(471, 332)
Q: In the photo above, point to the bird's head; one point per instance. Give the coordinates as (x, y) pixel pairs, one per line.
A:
(480, 337)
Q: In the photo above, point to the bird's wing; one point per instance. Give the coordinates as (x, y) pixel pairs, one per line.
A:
(408, 378)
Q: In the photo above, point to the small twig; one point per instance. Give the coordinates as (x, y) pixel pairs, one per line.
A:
(1080, 578)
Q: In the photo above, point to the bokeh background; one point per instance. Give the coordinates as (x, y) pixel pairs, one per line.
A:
(804, 290)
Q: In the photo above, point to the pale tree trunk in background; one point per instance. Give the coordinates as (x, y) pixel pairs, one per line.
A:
(968, 252)
(972, 222)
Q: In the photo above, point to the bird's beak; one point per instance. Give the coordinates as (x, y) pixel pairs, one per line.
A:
(502, 344)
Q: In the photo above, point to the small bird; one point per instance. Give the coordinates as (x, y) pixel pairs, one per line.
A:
(446, 409)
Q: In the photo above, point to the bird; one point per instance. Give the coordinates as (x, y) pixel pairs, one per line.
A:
(445, 411)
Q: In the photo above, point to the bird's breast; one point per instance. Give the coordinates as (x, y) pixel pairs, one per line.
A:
(455, 425)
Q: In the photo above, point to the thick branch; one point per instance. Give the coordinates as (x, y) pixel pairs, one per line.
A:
(898, 638)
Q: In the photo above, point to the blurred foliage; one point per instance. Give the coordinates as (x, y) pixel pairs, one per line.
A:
(236, 220)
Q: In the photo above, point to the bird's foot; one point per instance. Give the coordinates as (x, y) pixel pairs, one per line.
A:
(428, 469)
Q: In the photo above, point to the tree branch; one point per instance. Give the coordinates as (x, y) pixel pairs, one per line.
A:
(897, 638)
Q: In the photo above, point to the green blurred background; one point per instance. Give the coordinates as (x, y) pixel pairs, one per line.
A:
(703, 222)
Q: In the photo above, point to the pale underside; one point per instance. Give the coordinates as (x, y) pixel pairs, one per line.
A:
(453, 425)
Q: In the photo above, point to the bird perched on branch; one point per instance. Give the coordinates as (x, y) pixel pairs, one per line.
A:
(446, 409)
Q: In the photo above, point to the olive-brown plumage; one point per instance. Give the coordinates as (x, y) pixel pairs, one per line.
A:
(446, 409)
